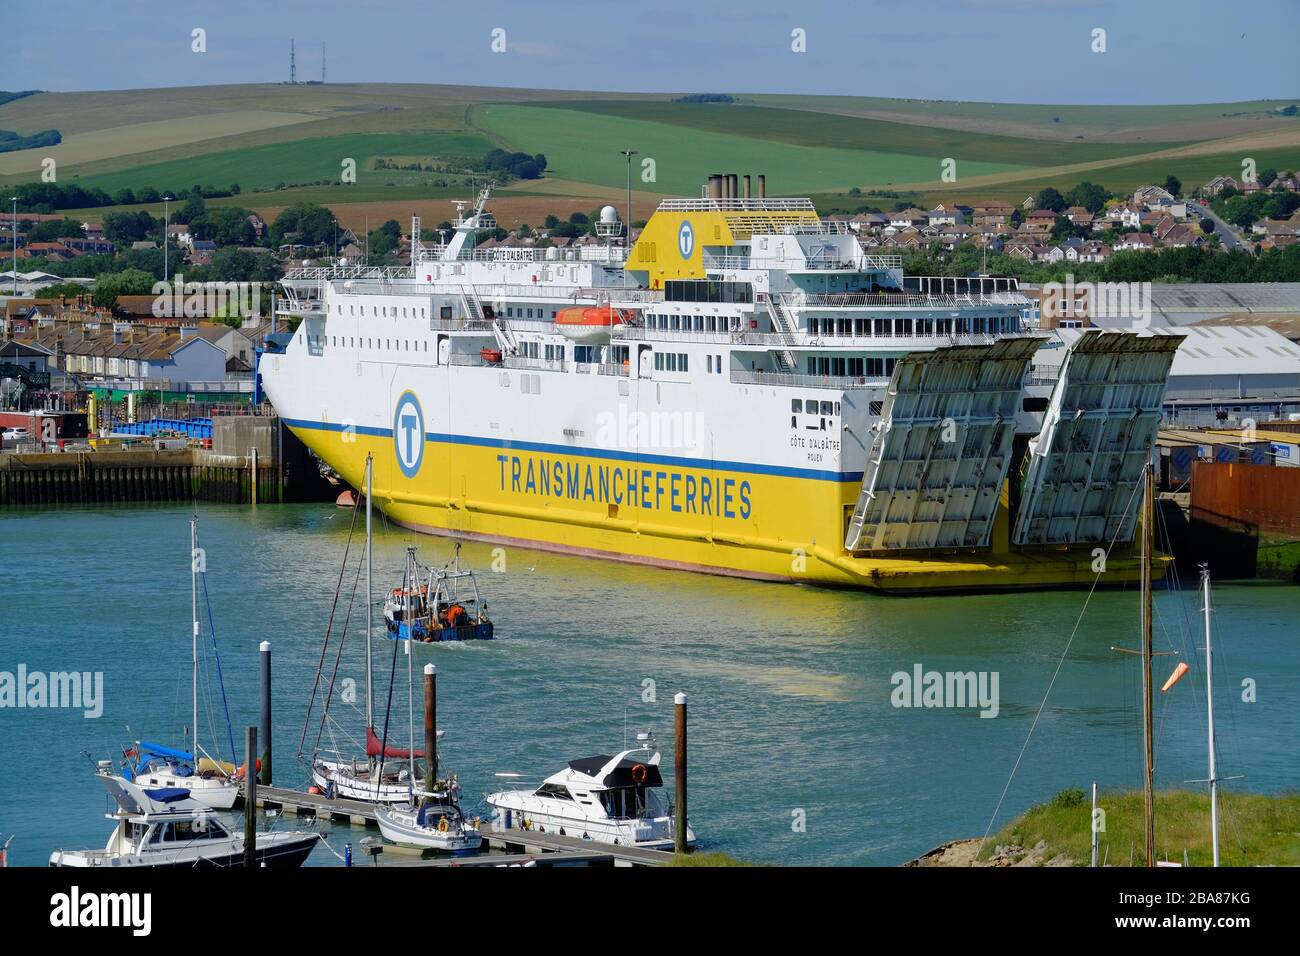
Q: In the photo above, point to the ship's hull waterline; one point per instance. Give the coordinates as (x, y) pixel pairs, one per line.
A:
(468, 490)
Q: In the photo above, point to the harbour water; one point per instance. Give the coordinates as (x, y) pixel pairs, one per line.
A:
(797, 753)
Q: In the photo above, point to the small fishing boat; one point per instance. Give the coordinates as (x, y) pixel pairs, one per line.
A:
(166, 828)
(606, 799)
(436, 822)
(437, 604)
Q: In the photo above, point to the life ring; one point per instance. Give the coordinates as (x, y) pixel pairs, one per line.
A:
(638, 774)
(442, 825)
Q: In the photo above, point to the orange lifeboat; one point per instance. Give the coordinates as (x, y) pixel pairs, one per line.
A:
(587, 324)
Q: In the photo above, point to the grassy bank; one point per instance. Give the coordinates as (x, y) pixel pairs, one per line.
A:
(1254, 829)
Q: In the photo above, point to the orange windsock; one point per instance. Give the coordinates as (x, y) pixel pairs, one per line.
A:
(1179, 672)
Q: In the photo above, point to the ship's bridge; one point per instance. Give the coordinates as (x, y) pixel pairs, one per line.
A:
(672, 244)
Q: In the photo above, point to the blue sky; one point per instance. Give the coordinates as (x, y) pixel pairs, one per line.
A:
(1027, 51)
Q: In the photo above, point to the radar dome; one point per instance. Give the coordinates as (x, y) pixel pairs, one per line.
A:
(608, 214)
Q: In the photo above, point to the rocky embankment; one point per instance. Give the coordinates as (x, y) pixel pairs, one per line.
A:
(966, 852)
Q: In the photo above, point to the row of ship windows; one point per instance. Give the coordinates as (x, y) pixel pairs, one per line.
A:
(392, 345)
(680, 362)
(889, 328)
(814, 406)
(856, 367)
(383, 310)
(691, 323)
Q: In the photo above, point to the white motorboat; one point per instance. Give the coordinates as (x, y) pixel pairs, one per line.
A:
(435, 823)
(166, 828)
(607, 799)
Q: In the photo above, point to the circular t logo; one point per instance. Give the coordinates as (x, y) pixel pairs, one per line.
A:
(408, 434)
(686, 239)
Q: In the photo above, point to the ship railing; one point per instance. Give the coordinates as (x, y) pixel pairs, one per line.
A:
(784, 263)
(844, 300)
(325, 273)
(460, 325)
(619, 295)
(838, 382)
(737, 205)
(540, 364)
(544, 254)
(826, 227)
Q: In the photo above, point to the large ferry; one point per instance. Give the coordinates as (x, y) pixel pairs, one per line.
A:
(746, 390)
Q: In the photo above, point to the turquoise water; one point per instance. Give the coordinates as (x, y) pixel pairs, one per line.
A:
(790, 687)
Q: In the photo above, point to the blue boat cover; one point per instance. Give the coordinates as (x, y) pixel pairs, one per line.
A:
(167, 794)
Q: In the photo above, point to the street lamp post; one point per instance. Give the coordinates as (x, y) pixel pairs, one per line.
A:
(15, 224)
(166, 229)
(336, 238)
(627, 239)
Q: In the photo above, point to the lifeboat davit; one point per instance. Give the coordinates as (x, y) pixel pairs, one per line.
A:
(587, 324)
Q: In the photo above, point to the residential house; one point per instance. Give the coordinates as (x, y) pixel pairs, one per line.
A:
(1124, 215)
(89, 247)
(1136, 240)
(991, 213)
(180, 233)
(1151, 196)
(1079, 216)
(202, 251)
(33, 357)
(945, 215)
(1218, 184)
(908, 217)
(1040, 222)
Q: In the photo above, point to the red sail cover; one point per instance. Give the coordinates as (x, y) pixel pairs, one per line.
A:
(374, 746)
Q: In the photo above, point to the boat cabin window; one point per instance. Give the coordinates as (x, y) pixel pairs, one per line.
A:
(796, 405)
(184, 831)
(556, 790)
(624, 803)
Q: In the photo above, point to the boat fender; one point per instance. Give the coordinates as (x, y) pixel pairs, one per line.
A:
(315, 791)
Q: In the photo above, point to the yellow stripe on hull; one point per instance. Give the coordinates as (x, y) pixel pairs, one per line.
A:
(766, 527)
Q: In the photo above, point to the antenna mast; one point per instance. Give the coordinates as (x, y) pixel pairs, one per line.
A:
(293, 67)
(322, 64)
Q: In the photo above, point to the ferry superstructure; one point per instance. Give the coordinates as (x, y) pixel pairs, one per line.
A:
(768, 398)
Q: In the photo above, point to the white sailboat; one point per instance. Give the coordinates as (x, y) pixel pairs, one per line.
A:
(384, 774)
(152, 765)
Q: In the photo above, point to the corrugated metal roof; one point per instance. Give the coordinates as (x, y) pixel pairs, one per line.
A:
(1212, 350)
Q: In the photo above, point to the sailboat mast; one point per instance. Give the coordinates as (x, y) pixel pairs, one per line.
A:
(194, 634)
(1148, 782)
(370, 596)
(413, 579)
(1209, 712)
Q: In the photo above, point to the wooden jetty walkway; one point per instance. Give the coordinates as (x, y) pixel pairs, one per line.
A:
(549, 848)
